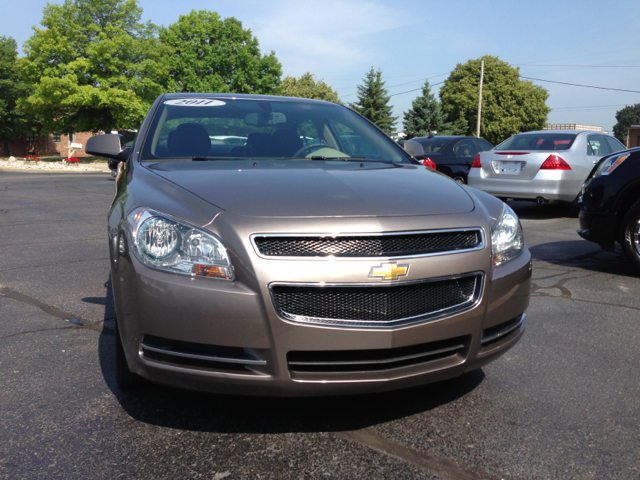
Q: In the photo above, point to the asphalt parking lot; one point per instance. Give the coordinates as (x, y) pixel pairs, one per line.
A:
(564, 403)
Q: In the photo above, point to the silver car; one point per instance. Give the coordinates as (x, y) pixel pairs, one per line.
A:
(317, 258)
(548, 165)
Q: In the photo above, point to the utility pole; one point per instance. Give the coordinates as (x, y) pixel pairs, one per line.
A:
(480, 98)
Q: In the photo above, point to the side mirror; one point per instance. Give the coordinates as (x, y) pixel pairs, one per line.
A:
(414, 148)
(109, 145)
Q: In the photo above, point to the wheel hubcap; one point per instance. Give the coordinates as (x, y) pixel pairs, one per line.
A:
(636, 238)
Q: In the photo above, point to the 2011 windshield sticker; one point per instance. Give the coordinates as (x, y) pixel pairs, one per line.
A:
(195, 102)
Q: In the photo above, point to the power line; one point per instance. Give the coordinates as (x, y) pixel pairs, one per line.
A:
(580, 85)
(577, 66)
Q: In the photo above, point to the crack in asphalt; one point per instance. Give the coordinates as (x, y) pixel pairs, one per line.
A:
(536, 290)
(95, 325)
(53, 264)
(38, 331)
(428, 462)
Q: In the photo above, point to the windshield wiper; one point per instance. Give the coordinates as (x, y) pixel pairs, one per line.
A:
(320, 157)
(213, 159)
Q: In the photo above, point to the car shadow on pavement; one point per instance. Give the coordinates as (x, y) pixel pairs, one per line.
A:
(186, 410)
(533, 211)
(584, 255)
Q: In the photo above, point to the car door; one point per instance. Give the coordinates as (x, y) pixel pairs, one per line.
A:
(464, 152)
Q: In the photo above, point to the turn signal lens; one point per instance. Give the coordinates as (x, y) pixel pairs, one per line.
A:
(212, 271)
(476, 162)
(427, 162)
(555, 162)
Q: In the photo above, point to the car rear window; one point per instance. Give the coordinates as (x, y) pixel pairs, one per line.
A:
(244, 127)
(432, 145)
(538, 141)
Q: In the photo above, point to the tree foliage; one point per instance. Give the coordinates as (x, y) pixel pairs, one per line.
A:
(94, 66)
(13, 121)
(307, 87)
(218, 55)
(373, 102)
(509, 105)
(629, 115)
(426, 116)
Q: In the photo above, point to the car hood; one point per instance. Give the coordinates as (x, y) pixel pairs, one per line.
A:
(288, 188)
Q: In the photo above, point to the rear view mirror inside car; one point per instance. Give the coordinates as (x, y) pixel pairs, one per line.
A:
(263, 119)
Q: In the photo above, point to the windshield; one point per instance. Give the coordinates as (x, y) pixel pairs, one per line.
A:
(538, 141)
(241, 128)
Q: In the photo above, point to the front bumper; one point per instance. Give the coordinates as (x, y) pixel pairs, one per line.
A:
(555, 185)
(161, 316)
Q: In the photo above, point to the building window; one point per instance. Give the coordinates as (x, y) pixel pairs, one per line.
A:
(56, 138)
(72, 137)
(31, 137)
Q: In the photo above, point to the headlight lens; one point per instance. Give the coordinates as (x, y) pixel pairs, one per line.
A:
(507, 240)
(171, 245)
(610, 164)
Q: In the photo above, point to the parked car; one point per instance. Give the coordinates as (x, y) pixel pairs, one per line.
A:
(547, 165)
(292, 267)
(452, 155)
(610, 204)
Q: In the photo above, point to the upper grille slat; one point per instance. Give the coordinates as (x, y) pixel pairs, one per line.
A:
(388, 245)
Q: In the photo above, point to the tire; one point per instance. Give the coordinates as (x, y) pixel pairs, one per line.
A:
(631, 235)
(459, 180)
(126, 380)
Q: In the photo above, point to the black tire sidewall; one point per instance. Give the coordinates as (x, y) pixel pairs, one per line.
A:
(628, 227)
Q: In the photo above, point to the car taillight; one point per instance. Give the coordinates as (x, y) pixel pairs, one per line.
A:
(427, 162)
(476, 162)
(555, 162)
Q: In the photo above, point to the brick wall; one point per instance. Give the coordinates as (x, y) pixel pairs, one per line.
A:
(44, 146)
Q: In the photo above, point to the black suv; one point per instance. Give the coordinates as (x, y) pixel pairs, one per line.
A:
(610, 204)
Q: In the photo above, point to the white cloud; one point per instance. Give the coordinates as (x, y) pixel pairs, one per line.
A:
(324, 37)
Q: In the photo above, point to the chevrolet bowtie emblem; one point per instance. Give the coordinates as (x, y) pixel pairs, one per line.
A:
(389, 271)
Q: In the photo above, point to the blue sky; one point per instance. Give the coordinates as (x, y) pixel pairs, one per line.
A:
(586, 42)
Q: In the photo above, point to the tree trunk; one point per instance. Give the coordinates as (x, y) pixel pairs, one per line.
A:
(5, 144)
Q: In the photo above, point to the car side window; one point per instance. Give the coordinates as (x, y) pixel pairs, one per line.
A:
(614, 144)
(483, 145)
(465, 149)
(597, 146)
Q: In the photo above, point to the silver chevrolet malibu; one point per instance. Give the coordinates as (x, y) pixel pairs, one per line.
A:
(547, 165)
(280, 246)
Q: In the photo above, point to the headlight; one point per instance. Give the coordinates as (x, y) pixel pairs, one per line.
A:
(166, 243)
(507, 240)
(610, 164)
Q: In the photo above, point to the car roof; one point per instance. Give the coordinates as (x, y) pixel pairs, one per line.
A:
(562, 131)
(446, 137)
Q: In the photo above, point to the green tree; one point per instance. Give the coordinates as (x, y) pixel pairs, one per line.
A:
(629, 115)
(373, 102)
(94, 66)
(13, 121)
(426, 116)
(307, 87)
(218, 55)
(509, 105)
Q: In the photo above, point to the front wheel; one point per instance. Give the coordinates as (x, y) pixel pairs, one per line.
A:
(459, 180)
(631, 234)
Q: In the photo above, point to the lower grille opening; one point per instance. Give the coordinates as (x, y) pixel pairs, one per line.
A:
(379, 305)
(353, 361)
(200, 356)
(492, 334)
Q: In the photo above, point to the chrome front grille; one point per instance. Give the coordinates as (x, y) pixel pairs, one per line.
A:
(370, 245)
(377, 305)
